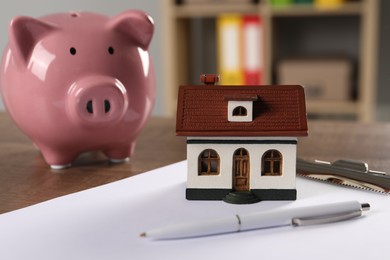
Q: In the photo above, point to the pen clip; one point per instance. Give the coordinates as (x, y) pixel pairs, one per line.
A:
(325, 219)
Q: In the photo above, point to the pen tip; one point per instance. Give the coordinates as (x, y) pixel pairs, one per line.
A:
(143, 234)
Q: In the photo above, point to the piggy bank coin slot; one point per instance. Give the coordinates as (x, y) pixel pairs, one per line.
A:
(74, 14)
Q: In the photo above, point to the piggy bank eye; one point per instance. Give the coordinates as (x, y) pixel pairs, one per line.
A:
(72, 51)
(111, 50)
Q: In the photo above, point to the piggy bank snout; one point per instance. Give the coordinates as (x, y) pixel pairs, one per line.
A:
(97, 101)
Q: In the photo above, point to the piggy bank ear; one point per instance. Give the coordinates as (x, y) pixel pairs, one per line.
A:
(137, 25)
(24, 33)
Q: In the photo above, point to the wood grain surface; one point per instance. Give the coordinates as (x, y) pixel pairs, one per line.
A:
(25, 178)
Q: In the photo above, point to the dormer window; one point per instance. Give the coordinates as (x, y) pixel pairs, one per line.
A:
(240, 111)
(240, 108)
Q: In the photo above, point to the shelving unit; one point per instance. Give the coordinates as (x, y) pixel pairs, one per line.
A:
(364, 13)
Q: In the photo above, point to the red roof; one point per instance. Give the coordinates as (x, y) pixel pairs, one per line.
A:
(277, 111)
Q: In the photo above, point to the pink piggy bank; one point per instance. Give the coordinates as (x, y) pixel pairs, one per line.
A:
(77, 82)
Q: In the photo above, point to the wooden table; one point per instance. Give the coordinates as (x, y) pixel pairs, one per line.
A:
(25, 178)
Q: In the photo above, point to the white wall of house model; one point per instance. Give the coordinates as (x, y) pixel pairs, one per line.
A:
(224, 180)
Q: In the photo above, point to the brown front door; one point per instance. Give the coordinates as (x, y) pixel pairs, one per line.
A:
(241, 170)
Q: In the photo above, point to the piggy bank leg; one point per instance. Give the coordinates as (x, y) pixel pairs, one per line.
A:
(57, 159)
(120, 153)
(60, 167)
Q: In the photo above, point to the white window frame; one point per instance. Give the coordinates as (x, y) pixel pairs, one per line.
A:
(248, 105)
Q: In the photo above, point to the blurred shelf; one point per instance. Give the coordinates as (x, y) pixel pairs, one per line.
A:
(332, 107)
(363, 14)
(213, 10)
(311, 10)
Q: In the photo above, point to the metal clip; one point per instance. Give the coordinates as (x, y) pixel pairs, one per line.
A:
(345, 172)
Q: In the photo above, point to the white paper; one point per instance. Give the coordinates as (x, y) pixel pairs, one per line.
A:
(105, 223)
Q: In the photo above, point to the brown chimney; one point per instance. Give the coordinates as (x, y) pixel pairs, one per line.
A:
(209, 79)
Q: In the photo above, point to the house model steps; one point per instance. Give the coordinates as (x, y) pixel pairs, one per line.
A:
(241, 140)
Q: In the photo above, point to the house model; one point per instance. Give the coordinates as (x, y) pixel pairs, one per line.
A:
(241, 140)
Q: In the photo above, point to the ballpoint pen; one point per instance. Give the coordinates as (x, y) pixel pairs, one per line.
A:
(310, 215)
